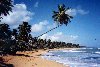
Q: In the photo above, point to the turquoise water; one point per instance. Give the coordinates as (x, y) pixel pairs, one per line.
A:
(84, 57)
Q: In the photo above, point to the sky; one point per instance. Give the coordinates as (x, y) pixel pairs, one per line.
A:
(83, 29)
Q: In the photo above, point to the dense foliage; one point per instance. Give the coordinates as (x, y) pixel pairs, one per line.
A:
(61, 17)
(13, 41)
(24, 31)
(5, 7)
(20, 39)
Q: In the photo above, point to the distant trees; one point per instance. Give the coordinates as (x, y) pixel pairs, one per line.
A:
(23, 40)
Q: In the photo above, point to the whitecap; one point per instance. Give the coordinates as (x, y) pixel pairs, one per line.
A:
(48, 54)
(98, 48)
(76, 51)
(97, 52)
(89, 48)
(65, 51)
(83, 48)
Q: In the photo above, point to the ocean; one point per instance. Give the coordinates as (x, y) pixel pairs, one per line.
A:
(83, 57)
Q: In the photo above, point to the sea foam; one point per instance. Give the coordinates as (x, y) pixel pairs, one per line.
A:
(97, 52)
(76, 58)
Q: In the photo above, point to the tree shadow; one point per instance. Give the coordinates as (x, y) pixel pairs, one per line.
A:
(6, 65)
(21, 55)
(4, 54)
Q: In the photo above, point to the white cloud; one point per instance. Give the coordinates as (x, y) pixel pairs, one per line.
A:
(83, 12)
(36, 4)
(40, 26)
(18, 15)
(59, 36)
(51, 26)
(74, 12)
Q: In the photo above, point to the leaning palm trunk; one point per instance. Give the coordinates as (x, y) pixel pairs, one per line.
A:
(49, 31)
(60, 17)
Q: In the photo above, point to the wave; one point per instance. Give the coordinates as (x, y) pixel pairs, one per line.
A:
(89, 48)
(65, 51)
(48, 54)
(97, 52)
(83, 48)
(70, 58)
(77, 51)
(72, 51)
(98, 48)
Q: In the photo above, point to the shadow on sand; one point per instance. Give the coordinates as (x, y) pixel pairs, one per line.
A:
(21, 55)
(5, 65)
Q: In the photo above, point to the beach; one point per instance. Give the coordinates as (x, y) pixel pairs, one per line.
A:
(30, 59)
(63, 57)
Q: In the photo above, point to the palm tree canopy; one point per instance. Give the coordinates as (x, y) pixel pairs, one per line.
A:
(24, 31)
(5, 7)
(61, 17)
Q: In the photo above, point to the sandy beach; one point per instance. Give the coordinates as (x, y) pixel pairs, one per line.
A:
(30, 59)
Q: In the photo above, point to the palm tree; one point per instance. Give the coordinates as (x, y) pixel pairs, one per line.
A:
(5, 32)
(60, 17)
(24, 31)
(15, 33)
(5, 7)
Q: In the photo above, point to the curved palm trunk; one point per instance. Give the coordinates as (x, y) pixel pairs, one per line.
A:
(49, 31)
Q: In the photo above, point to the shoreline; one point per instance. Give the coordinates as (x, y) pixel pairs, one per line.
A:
(33, 59)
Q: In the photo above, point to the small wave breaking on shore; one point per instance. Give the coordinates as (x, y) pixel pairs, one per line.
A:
(83, 57)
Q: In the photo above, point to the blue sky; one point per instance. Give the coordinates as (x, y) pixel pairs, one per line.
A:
(83, 29)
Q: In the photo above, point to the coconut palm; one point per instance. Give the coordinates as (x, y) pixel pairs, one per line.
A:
(5, 7)
(15, 33)
(60, 17)
(5, 32)
(24, 31)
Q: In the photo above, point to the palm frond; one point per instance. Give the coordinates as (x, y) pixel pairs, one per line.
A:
(61, 16)
(5, 7)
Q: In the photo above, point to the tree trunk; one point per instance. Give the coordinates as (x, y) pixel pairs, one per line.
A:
(49, 31)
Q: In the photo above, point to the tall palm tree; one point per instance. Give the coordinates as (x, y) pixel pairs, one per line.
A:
(5, 7)
(24, 31)
(60, 17)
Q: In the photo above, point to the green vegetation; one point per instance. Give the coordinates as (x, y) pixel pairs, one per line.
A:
(5, 7)
(21, 40)
(60, 17)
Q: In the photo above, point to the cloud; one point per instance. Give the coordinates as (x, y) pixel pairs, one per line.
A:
(74, 12)
(18, 15)
(40, 26)
(51, 26)
(36, 4)
(59, 36)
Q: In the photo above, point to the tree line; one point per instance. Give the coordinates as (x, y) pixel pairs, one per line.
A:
(20, 39)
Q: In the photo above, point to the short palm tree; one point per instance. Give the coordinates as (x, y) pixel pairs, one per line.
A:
(60, 17)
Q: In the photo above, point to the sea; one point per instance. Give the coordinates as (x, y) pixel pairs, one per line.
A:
(82, 57)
